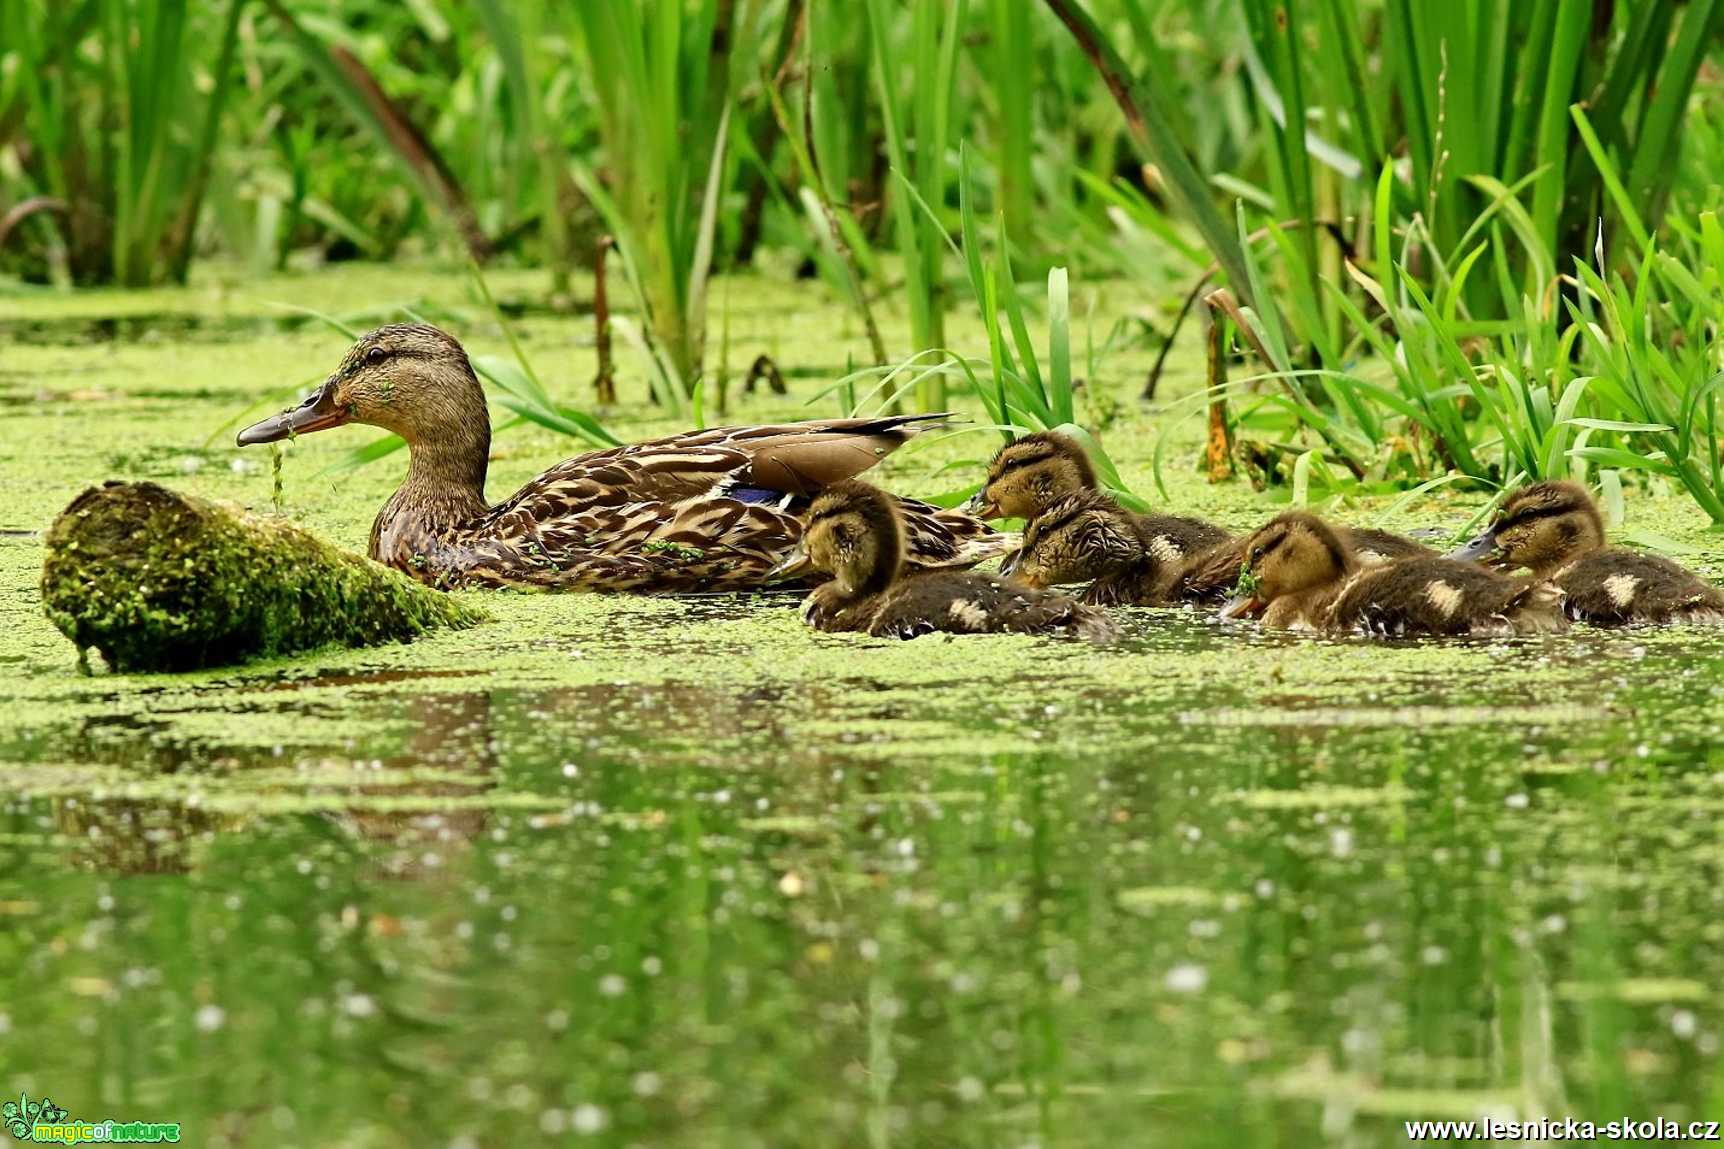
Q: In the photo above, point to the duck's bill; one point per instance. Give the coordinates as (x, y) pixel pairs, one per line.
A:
(981, 506)
(1479, 550)
(795, 563)
(1242, 606)
(318, 413)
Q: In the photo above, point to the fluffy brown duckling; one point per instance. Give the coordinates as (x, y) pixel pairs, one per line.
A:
(1129, 556)
(1554, 530)
(1128, 559)
(1030, 474)
(1211, 575)
(855, 533)
(1299, 573)
(1177, 559)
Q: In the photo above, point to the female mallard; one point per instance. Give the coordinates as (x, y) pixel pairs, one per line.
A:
(705, 510)
(1075, 533)
(855, 533)
(1299, 574)
(1554, 529)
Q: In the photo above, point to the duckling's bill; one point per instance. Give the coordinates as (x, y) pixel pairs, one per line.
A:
(1242, 606)
(981, 506)
(319, 412)
(793, 564)
(1478, 550)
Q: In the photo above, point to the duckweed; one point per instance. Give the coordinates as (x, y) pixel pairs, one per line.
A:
(704, 877)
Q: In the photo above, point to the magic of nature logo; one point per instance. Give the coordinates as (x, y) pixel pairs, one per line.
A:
(44, 1122)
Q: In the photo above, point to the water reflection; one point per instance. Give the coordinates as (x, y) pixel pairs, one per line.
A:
(669, 916)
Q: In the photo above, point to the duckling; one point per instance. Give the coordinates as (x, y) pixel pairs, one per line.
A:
(1132, 559)
(855, 533)
(1554, 530)
(1192, 560)
(1030, 474)
(1210, 575)
(1300, 573)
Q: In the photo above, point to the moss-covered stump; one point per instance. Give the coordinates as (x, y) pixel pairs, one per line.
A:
(156, 580)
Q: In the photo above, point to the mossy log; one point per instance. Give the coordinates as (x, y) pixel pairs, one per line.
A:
(156, 580)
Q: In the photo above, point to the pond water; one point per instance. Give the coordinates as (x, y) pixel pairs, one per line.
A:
(679, 873)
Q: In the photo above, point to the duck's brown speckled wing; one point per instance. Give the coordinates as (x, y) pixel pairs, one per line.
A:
(940, 538)
(962, 603)
(1443, 596)
(708, 510)
(1616, 586)
(790, 458)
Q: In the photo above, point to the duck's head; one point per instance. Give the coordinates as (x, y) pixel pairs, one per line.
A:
(853, 532)
(1294, 553)
(409, 378)
(1030, 474)
(1539, 526)
(1078, 538)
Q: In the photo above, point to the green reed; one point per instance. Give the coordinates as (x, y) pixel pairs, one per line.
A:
(103, 118)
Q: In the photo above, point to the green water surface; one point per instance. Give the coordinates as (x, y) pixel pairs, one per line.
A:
(680, 873)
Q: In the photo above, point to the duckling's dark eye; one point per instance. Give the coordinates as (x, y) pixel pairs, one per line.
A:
(1256, 553)
(376, 355)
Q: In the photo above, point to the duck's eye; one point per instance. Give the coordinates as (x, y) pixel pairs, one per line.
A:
(376, 356)
(1256, 553)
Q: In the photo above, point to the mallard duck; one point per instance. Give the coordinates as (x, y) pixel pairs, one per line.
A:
(855, 533)
(1299, 574)
(1135, 559)
(705, 510)
(1132, 559)
(1554, 530)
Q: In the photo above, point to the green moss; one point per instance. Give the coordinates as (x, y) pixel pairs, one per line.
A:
(155, 580)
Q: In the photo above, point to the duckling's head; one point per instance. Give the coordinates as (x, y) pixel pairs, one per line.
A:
(1030, 474)
(853, 532)
(1294, 553)
(1540, 526)
(1078, 538)
(409, 378)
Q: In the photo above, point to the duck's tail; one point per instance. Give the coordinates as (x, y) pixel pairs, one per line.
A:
(803, 457)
